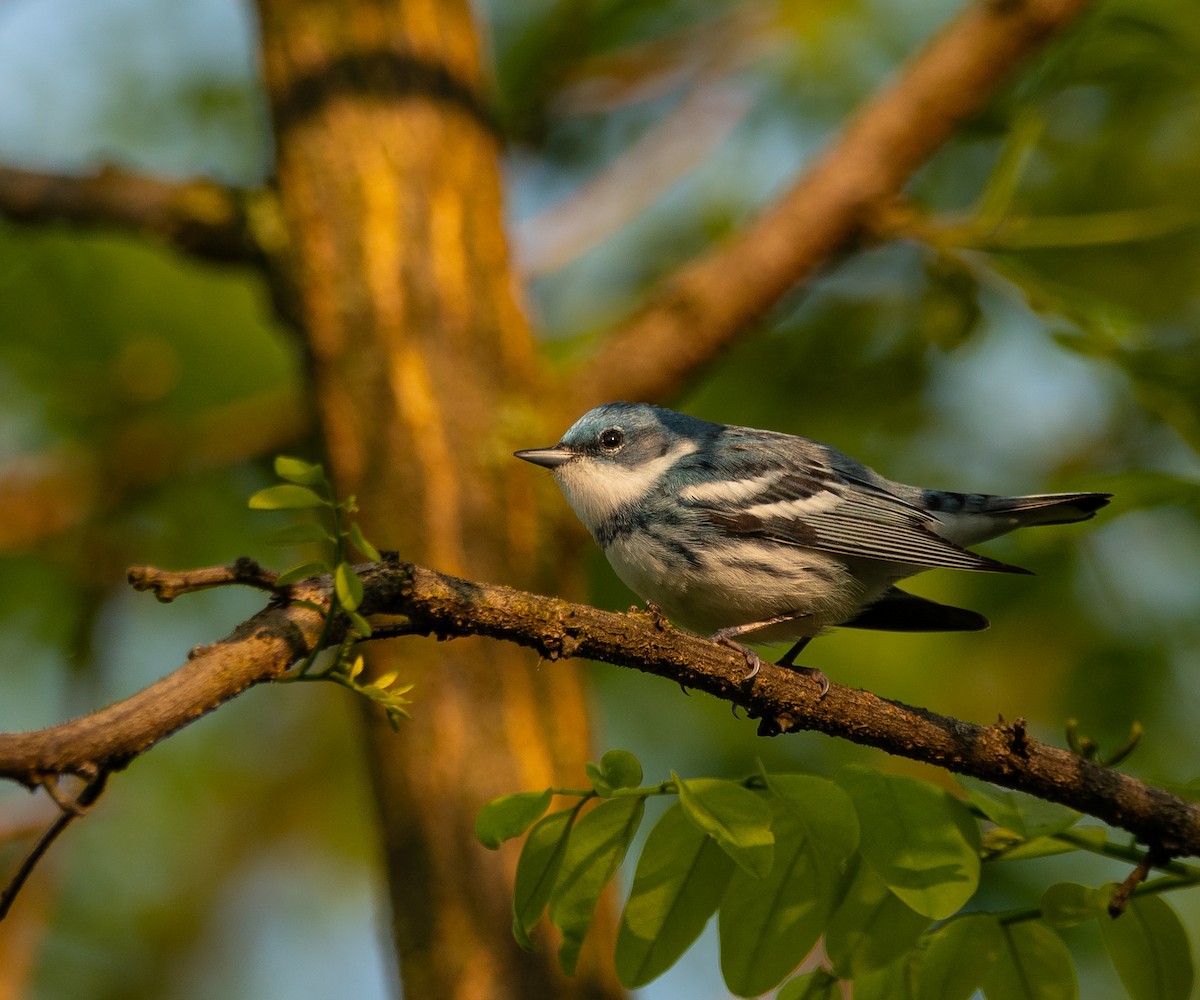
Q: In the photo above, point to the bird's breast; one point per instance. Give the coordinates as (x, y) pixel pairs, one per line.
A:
(709, 585)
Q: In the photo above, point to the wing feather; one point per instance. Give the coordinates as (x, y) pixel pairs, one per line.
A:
(813, 506)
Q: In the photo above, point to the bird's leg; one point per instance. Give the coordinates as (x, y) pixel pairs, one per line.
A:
(726, 637)
(753, 660)
(790, 656)
(788, 661)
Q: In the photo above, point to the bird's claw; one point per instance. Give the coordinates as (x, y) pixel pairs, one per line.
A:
(754, 663)
(813, 672)
(817, 675)
(753, 660)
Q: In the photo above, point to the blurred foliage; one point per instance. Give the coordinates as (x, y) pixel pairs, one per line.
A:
(1032, 327)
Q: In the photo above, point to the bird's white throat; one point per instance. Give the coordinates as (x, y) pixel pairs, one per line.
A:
(597, 489)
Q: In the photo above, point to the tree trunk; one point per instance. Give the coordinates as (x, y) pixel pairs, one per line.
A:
(423, 365)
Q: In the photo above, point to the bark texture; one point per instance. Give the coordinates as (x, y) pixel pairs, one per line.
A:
(422, 362)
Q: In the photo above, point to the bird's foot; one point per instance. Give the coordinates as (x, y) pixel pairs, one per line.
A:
(726, 638)
(753, 660)
(817, 675)
(813, 672)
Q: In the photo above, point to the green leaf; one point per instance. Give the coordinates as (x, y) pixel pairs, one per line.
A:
(359, 541)
(769, 923)
(537, 869)
(509, 816)
(597, 780)
(349, 586)
(617, 769)
(1066, 904)
(361, 625)
(301, 572)
(385, 681)
(1149, 949)
(621, 768)
(896, 981)
(825, 810)
(286, 497)
(921, 840)
(299, 534)
(1033, 964)
(1044, 847)
(680, 879)
(870, 927)
(596, 846)
(1023, 850)
(815, 985)
(395, 716)
(737, 818)
(958, 956)
(1018, 811)
(296, 470)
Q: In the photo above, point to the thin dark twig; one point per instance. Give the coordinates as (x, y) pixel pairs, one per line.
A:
(69, 811)
(1155, 857)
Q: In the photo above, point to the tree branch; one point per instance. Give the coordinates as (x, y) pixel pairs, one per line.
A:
(260, 649)
(198, 217)
(709, 303)
(432, 603)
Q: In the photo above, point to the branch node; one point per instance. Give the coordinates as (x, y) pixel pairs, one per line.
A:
(1019, 737)
(656, 615)
(66, 803)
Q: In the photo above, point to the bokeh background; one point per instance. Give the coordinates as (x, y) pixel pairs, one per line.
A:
(1027, 322)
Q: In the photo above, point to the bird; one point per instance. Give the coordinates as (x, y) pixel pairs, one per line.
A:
(740, 534)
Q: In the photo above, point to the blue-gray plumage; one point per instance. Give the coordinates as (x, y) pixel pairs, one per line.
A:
(736, 532)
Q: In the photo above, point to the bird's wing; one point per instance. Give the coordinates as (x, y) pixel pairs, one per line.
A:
(818, 507)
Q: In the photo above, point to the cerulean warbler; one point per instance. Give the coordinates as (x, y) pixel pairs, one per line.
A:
(740, 533)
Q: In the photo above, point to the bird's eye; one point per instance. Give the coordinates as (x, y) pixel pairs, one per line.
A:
(611, 439)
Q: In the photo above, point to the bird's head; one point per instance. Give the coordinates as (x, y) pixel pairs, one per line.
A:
(616, 454)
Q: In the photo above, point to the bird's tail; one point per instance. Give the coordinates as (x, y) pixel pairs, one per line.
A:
(1047, 508)
(970, 518)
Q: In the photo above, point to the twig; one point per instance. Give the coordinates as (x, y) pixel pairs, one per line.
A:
(705, 306)
(1155, 857)
(69, 811)
(169, 584)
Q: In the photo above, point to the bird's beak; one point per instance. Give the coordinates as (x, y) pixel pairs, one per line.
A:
(549, 458)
